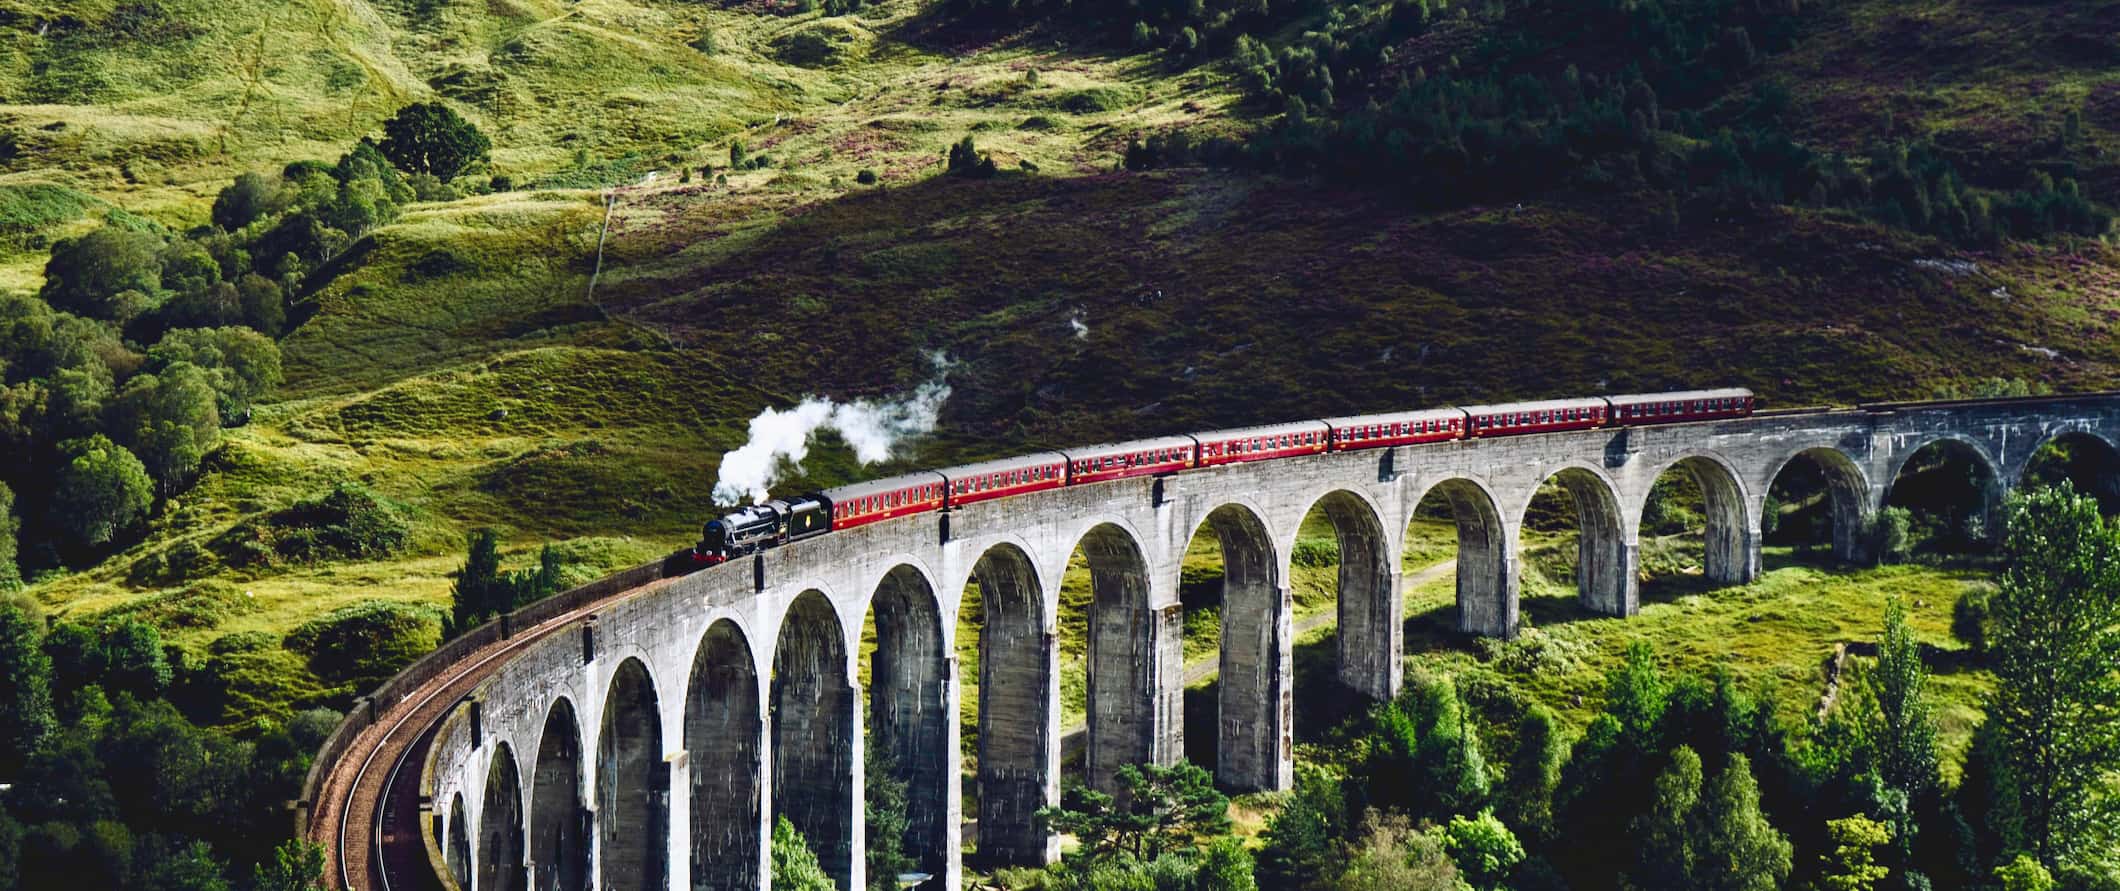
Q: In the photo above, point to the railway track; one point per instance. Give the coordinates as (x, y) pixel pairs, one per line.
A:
(366, 812)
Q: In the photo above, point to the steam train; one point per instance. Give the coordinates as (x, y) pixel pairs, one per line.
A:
(784, 520)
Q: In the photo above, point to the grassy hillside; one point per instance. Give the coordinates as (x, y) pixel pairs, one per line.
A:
(462, 366)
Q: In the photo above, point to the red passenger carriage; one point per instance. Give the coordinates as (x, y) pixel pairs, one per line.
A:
(1009, 476)
(879, 500)
(1400, 428)
(1119, 460)
(1261, 443)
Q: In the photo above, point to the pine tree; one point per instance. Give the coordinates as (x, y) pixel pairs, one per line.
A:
(480, 592)
(1738, 849)
(2053, 638)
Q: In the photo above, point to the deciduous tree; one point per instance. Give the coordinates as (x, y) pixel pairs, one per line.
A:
(2053, 638)
(101, 490)
(429, 137)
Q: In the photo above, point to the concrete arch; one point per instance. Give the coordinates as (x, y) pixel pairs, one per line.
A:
(1847, 494)
(909, 717)
(559, 823)
(1125, 701)
(632, 785)
(1368, 599)
(1605, 546)
(1018, 721)
(1254, 709)
(724, 742)
(1488, 580)
(2103, 465)
(1731, 553)
(500, 836)
(815, 734)
(1991, 485)
(456, 852)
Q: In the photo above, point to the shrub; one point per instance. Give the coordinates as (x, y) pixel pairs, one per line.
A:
(866, 177)
(966, 161)
(1969, 617)
(1889, 535)
(1316, 552)
(365, 642)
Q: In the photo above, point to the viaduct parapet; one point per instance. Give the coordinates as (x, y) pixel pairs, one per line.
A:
(651, 745)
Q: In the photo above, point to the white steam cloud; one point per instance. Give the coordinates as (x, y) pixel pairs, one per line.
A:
(780, 440)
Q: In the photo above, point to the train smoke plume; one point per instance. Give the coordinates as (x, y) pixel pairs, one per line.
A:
(780, 440)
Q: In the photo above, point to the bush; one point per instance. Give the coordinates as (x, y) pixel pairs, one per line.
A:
(1888, 534)
(350, 522)
(366, 642)
(93, 275)
(1316, 552)
(866, 177)
(966, 161)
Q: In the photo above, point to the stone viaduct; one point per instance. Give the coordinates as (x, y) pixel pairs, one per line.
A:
(654, 748)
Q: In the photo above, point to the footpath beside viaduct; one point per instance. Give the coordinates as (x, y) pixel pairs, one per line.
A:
(651, 742)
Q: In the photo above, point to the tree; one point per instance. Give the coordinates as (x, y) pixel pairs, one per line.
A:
(170, 420)
(101, 490)
(884, 810)
(1852, 864)
(1525, 797)
(2053, 638)
(133, 660)
(1301, 841)
(1738, 849)
(479, 588)
(1159, 809)
(296, 865)
(1485, 851)
(1453, 772)
(1667, 851)
(429, 137)
(1635, 695)
(250, 198)
(1890, 534)
(1904, 733)
(241, 364)
(2025, 873)
(191, 868)
(10, 573)
(795, 867)
(1225, 866)
(1391, 856)
(86, 276)
(26, 698)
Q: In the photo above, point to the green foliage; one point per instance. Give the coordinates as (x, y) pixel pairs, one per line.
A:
(483, 591)
(1888, 534)
(10, 573)
(93, 275)
(1160, 809)
(2025, 873)
(365, 643)
(241, 363)
(1301, 844)
(101, 490)
(1904, 733)
(966, 161)
(1390, 855)
(884, 809)
(1485, 851)
(349, 522)
(1226, 865)
(429, 137)
(1852, 865)
(170, 420)
(2053, 638)
(1739, 849)
(1423, 755)
(191, 868)
(25, 700)
(1667, 857)
(1525, 794)
(297, 865)
(251, 197)
(795, 867)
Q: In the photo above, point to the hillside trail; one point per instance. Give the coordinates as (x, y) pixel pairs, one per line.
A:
(1076, 736)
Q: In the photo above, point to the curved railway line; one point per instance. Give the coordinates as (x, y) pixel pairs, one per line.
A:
(366, 809)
